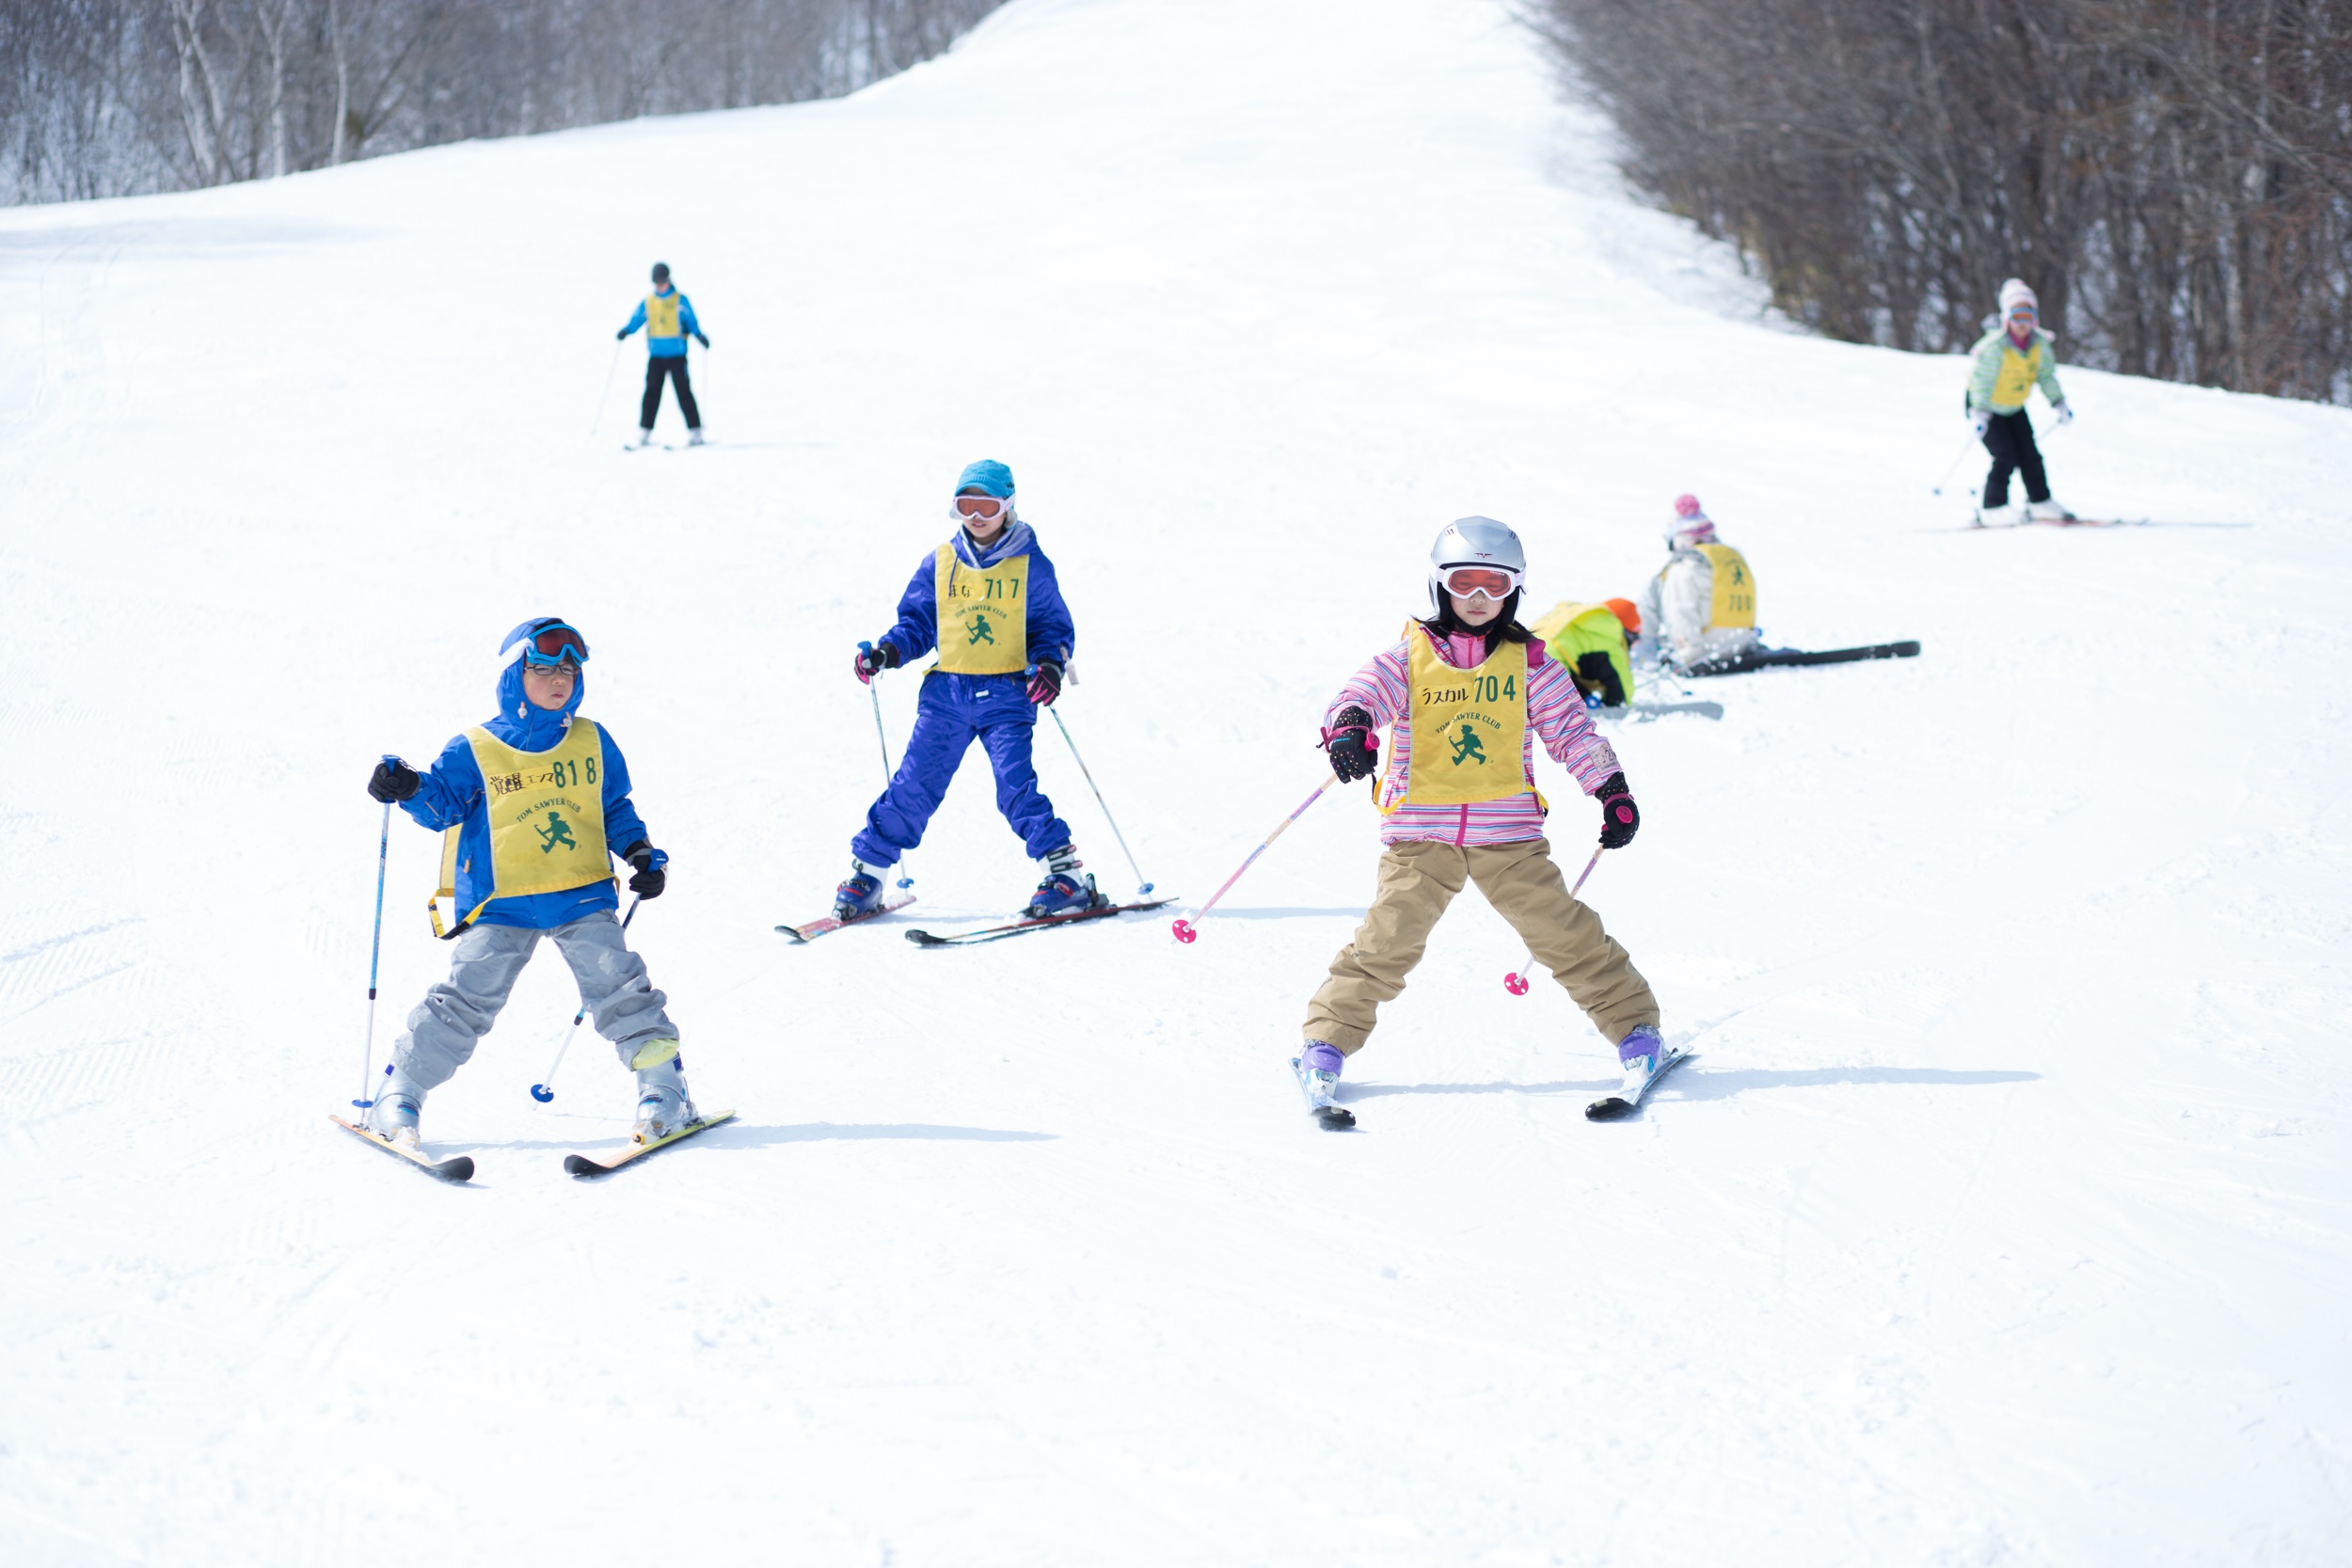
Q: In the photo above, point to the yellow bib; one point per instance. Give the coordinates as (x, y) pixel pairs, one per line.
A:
(546, 818)
(1468, 726)
(2019, 371)
(1571, 630)
(1735, 589)
(662, 319)
(983, 616)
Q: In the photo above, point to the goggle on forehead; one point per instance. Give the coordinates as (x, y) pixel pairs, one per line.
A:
(1481, 582)
(553, 644)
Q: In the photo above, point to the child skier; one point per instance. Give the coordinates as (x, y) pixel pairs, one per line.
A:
(1701, 606)
(2013, 357)
(1465, 694)
(668, 318)
(533, 804)
(987, 601)
(1594, 641)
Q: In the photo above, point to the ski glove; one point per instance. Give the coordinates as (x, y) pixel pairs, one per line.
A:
(1044, 682)
(1619, 817)
(649, 879)
(700, 339)
(873, 660)
(622, 336)
(1349, 742)
(1595, 671)
(1981, 421)
(2065, 415)
(393, 780)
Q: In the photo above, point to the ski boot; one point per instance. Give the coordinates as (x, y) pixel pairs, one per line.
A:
(861, 891)
(1639, 1054)
(398, 1105)
(645, 437)
(2047, 511)
(1318, 1070)
(663, 1106)
(694, 437)
(1063, 891)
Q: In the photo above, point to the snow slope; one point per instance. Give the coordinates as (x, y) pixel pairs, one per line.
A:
(2003, 1218)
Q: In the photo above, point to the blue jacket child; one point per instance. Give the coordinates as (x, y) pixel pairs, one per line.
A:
(668, 317)
(533, 805)
(989, 602)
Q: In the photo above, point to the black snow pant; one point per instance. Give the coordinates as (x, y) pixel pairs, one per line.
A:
(2008, 439)
(674, 366)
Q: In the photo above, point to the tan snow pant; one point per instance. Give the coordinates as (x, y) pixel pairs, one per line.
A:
(1419, 881)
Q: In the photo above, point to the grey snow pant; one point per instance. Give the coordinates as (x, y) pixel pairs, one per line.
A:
(444, 1028)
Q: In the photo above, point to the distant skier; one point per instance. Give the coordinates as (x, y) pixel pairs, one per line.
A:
(2013, 357)
(668, 318)
(508, 794)
(1471, 668)
(987, 601)
(1595, 642)
(1701, 606)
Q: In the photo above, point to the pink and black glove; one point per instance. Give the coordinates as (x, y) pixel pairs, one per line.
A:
(1619, 817)
(873, 658)
(1044, 682)
(1353, 751)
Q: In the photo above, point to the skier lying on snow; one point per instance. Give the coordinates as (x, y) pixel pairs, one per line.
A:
(1595, 642)
(1465, 694)
(987, 601)
(2013, 357)
(534, 803)
(1700, 608)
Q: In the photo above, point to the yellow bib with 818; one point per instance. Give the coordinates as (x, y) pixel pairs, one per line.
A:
(983, 615)
(547, 817)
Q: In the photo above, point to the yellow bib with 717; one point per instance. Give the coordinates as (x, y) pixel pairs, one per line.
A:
(1468, 726)
(983, 615)
(662, 320)
(1735, 588)
(546, 818)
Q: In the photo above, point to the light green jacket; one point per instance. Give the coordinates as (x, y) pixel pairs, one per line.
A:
(2004, 378)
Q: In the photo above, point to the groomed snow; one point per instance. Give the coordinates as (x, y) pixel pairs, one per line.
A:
(2002, 1218)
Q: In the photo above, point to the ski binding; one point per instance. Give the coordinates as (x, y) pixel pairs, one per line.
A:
(589, 1164)
(457, 1167)
(1616, 1107)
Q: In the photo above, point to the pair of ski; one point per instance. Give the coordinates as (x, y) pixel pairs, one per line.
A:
(815, 928)
(1334, 1118)
(1767, 658)
(459, 1168)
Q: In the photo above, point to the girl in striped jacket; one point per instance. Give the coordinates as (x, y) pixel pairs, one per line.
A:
(1465, 694)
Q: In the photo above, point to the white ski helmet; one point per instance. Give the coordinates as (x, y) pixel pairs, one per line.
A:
(1474, 542)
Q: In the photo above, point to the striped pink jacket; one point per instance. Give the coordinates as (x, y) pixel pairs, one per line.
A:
(1555, 711)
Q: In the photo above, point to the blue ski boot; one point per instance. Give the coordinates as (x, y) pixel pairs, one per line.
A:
(861, 893)
(1318, 1068)
(664, 1106)
(1063, 891)
(1639, 1054)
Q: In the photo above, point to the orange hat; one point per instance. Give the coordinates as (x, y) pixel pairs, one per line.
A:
(1623, 610)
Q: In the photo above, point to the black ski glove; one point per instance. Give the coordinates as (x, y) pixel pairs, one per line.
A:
(873, 658)
(1619, 817)
(1354, 753)
(1044, 682)
(700, 339)
(622, 336)
(649, 879)
(1595, 673)
(393, 780)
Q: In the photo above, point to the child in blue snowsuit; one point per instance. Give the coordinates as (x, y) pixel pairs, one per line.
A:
(534, 803)
(668, 317)
(987, 601)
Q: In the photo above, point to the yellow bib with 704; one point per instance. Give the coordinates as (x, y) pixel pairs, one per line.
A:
(1468, 726)
(662, 320)
(1735, 588)
(547, 817)
(983, 615)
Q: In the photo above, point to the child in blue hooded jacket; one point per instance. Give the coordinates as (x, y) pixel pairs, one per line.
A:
(988, 600)
(533, 804)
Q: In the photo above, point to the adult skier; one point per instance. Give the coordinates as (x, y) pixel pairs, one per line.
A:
(668, 318)
(1595, 642)
(2013, 357)
(1465, 693)
(533, 804)
(1700, 608)
(988, 600)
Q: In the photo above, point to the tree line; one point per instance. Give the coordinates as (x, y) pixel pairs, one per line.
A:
(2172, 177)
(123, 97)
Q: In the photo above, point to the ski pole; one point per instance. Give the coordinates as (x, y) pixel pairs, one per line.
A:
(615, 365)
(1142, 886)
(376, 954)
(545, 1092)
(1517, 984)
(1957, 460)
(906, 863)
(1185, 929)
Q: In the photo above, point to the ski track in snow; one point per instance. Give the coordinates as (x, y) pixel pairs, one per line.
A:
(2002, 1218)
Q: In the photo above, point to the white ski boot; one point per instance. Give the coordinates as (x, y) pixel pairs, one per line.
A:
(664, 1106)
(645, 437)
(694, 437)
(2047, 511)
(1999, 517)
(1318, 1070)
(394, 1118)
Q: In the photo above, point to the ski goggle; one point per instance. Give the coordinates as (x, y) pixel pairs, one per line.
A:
(2022, 313)
(986, 509)
(1481, 582)
(554, 644)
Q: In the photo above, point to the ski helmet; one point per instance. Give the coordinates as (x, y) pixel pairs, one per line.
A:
(661, 271)
(1474, 541)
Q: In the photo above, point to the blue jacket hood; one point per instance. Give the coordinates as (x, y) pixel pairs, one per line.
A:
(527, 728)
(1016, 539)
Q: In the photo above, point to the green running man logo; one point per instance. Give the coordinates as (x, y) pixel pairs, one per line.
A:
(556, 831)
(1739, 578)
(1467, 749)
(979, 632)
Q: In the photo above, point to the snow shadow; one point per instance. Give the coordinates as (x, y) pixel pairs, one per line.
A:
(1353, 911)
(819, 1131)
(1696, 1083)
(1567, 1085)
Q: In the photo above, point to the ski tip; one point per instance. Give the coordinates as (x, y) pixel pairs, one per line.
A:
(1611, 1109)
(580, 1165)
(1906, 650)
(1335, 1118)
(923, 939)
(793, 931)
(458, 1170)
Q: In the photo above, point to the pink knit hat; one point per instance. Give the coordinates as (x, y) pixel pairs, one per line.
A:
(2014, 294)
(1691, 526)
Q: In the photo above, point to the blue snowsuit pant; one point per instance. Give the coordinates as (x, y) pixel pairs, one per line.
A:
(954, 711)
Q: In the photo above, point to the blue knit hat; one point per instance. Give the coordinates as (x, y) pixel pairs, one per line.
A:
(988, 477)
